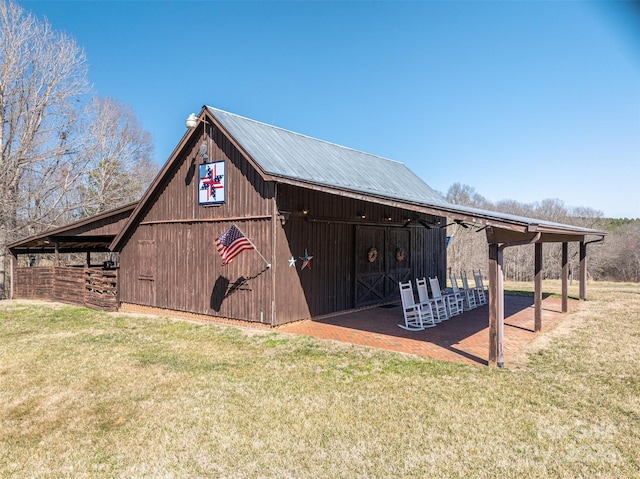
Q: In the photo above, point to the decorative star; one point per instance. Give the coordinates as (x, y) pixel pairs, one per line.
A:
(292, 262)
(306, 260)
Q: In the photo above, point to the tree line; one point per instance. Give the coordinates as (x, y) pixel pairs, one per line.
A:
(617, 258)
(65, 153)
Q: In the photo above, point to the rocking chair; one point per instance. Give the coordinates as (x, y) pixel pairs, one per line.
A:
(469, 293)
(480, 290)
(416, 316)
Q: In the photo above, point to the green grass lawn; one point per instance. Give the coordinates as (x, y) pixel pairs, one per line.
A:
(90, 394)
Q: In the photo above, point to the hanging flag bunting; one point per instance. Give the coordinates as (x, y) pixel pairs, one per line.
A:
(231, 243)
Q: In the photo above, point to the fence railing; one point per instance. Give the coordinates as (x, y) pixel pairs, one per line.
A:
(92, 287)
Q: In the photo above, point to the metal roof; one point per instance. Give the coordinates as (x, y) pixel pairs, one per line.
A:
(284, 153)
(77, 236)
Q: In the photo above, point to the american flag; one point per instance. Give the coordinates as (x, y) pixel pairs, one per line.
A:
(231, 243)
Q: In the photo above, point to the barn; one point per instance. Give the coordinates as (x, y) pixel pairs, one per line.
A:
(352, 214)
(330, 229)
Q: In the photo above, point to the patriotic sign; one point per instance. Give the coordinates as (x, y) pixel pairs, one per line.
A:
(231, 243)
(211, 183)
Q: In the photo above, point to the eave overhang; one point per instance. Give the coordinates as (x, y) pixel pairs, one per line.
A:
(504, 228)
(67, 240)
(504, 225)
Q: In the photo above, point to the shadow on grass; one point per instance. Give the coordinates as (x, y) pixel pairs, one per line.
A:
(529, 294)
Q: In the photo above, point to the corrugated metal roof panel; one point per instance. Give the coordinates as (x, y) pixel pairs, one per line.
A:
(285, 153)
(516, 219)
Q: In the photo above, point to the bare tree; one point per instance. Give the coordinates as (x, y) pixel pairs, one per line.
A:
(461, 194)
(42, 74)
(468, 249)
(118, 153)
(618, 258)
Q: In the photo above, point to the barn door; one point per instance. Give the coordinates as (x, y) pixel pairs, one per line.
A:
(370, 265)
(146, 262)
(398, 256)
(382, 260)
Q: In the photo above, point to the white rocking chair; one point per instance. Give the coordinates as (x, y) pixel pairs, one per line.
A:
(469, 294)
(438, 309)
(480, 289)
(453, 308)
(457, 294)
(416, 317)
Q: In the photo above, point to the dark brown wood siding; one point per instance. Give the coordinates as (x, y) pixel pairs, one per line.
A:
(177, 198)
(187, 274)
(92, 287)
(170, 260)
(429, 253)
(108, 226)
(325, 286)
(331, 229)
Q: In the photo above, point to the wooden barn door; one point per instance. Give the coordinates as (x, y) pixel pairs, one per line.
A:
(398, 256)
(370, 272)
(147, 270)
(378, 273)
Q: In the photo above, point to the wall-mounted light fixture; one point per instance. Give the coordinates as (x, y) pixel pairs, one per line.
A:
(284, 216)
(362, 215)
(304, 211)
(192, 121)
(388, 218)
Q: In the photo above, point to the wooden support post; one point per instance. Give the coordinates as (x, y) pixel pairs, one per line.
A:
(56, 254)
(494, 304)
(500, 307)
(537, 292)
(583, 271)
(12, 268)
(87, 263)
(496, 294)
(565, 277)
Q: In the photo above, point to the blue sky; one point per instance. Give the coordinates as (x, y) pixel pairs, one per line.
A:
(520, 100)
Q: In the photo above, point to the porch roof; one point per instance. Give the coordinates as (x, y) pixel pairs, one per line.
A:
(93, 234)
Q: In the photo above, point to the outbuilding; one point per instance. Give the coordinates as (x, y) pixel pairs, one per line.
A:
(330, 229)
(334, 229)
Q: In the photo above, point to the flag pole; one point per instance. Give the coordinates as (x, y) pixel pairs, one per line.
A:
(254, 246)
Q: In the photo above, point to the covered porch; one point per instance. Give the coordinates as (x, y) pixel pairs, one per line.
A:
(57, 265)
(463, 339)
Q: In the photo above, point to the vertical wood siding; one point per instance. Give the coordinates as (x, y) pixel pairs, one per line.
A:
(246, 193)
(92, 287)
(326, 285)
(170, 261)
(341, 277)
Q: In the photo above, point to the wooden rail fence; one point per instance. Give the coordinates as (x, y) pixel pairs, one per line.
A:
(95, 288)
